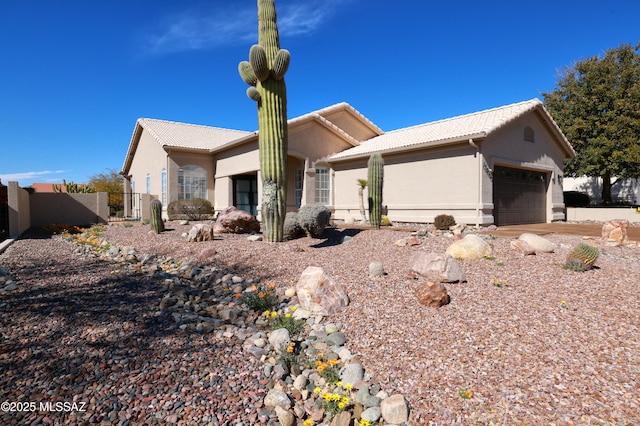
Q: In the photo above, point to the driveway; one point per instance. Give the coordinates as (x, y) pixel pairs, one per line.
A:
(584, 229)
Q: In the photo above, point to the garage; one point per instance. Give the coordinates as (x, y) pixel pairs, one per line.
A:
(519, 196)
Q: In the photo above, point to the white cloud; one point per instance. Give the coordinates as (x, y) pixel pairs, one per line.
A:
(197, 29)
(31, 177)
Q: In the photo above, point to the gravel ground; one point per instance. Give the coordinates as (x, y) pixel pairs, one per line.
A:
(75, 331)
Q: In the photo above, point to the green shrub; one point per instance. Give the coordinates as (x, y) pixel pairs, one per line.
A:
(314, 218)
(443, 222)
(258, 298)
(196, 209)
(292, 229)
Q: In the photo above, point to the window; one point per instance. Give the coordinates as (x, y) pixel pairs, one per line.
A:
(192, 183)
(298, 178)
(323, 186)
(148, 183)
(164, 187)
(529, 136)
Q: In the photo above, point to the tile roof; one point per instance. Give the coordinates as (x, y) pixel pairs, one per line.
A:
(450, 130)
(191, 136)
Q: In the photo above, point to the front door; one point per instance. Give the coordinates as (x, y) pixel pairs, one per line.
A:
(245, 193)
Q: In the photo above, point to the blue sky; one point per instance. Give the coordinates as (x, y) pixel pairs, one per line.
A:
(75, 75)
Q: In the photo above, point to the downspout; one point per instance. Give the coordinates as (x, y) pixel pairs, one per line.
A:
(479, 190)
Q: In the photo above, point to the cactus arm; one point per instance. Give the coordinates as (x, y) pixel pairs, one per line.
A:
(247, 74)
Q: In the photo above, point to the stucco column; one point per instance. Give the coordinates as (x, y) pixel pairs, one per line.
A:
(308, 184)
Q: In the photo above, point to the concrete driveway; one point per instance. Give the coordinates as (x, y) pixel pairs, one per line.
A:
(591, 230)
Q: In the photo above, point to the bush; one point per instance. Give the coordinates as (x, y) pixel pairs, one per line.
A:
(313, 219)
(576, 199)
(292, 228)
(196, 209)
(443, 222)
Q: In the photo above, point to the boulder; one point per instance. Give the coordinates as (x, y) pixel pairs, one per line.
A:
(469, 247)
(615, 230)
(319, 294)
(395, 410)
(458, 229)
(438, 267)
(522, 247)
(432, 294)
(200, 232)
(538, 243)
(234, 221)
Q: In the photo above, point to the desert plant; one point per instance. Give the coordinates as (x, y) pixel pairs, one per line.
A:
(443, 222)
(375, 181)
(195, 209)
(73, 188)
(582, 257)
(264, 72)
(313, 219)
(156, 216)
(292, 228)
(362, 183)
(259, 298)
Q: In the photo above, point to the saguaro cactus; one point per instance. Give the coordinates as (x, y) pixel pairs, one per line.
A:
(156, 216)
(375, 180)
(264, 72)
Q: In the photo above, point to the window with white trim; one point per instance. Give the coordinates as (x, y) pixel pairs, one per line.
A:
(148, 183)
(163, 180)
(192, 183)
(323, 185)
(297, 183)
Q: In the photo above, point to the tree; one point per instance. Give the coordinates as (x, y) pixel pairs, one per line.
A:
(597, 105)
(111, 182)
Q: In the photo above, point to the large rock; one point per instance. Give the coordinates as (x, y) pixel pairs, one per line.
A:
(319, 293)
(234, 221)
(470, 247)
(522, 247)
(615, 230)
(538, 243)
(200, 232)
(438, 267)
(395, 410)
(432, 294)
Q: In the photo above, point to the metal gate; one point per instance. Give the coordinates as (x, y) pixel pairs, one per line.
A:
(124, 206)
(4, 213)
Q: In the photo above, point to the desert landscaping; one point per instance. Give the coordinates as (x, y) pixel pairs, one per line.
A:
(150, 330)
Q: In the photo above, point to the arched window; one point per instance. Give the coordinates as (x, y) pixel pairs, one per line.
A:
(192, 183)
(529, 136)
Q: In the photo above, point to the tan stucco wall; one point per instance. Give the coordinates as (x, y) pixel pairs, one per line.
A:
(417, 185)
(19, 210)
(71, 209)
(507, 147)
(150, 158)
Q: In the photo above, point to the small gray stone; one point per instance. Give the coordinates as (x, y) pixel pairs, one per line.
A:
(371, 414)
(336, 339)
(376, 269)
(352, 373)
(279, 338)
(10, 286)
(365, 398)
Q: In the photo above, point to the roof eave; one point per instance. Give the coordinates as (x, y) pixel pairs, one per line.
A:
(415, 147)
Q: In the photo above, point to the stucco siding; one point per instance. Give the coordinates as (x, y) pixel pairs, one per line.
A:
(238, 160)
(150, 158)
(314, 142)
(507, 147)
(417, 185)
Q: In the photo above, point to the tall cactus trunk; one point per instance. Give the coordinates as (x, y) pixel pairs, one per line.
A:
(375, 181)
(156, 216)
(264, 72)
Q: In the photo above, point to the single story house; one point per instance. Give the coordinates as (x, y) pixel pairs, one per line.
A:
(499, 166)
